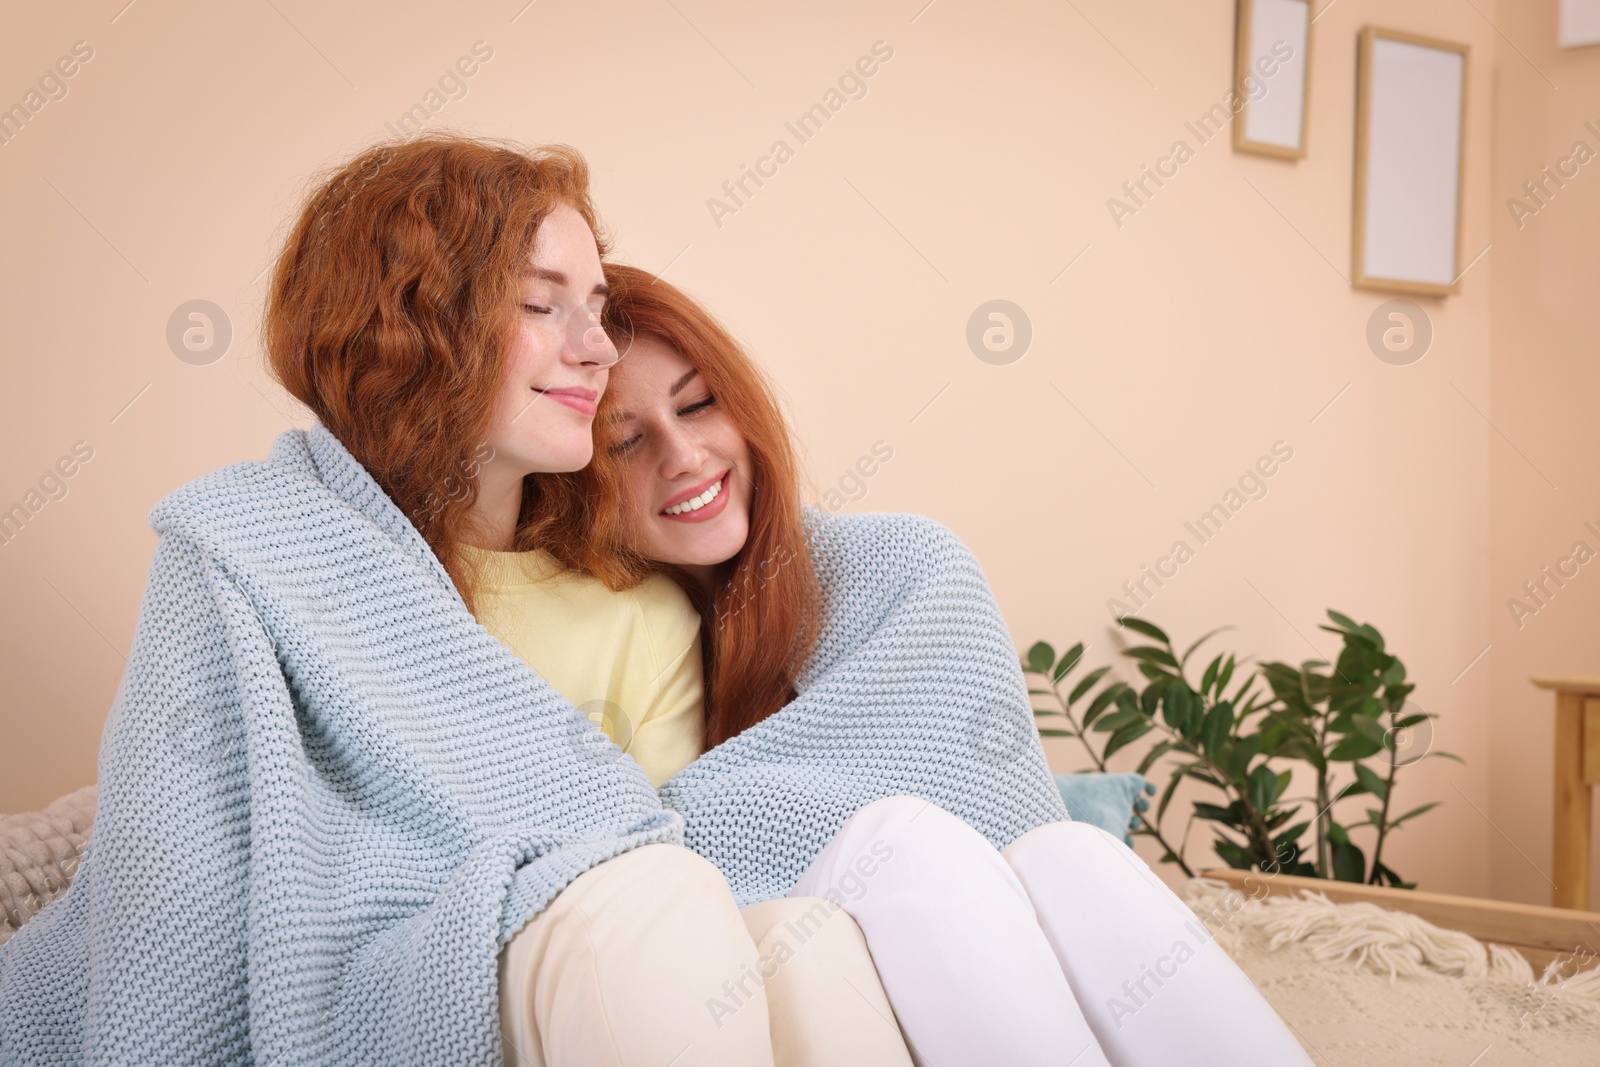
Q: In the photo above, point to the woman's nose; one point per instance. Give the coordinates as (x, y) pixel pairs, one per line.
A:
(586, 340)
(683, 452)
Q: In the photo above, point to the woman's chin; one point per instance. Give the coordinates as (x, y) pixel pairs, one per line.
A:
(558, 457)
(703, 545)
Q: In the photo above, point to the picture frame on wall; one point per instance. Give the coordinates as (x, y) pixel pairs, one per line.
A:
(1411, 120)
(1579, 23)
(1272, 75)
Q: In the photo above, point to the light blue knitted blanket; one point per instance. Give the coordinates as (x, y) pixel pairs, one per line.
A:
(328, 796)
(914, 688)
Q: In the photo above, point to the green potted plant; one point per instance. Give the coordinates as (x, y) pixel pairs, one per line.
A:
(1243, 743)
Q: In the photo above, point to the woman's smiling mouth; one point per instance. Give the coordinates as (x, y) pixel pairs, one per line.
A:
(703, 502)
(581, 400)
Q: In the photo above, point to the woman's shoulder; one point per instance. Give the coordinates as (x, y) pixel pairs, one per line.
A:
(308, 511)
(234, 495)
(309, 487)
(878, 534)
(668, 614)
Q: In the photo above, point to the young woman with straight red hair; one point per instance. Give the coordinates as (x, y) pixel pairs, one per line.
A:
(1062, 946)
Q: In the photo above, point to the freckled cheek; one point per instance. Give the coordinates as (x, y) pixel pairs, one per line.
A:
(639, 497)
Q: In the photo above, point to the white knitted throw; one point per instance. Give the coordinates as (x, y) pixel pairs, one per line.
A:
(1360, 984)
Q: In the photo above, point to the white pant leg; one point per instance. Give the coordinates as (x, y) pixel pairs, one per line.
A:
(1156, 987)
(969, 973)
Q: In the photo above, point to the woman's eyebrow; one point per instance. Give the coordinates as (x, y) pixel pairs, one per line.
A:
(677, 387)
(560, 278)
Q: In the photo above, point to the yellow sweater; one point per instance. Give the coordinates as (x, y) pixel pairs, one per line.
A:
(628, 660)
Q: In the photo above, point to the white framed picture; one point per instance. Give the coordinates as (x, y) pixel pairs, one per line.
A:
(1579, 23)
(1411, 112)
(1272, 75)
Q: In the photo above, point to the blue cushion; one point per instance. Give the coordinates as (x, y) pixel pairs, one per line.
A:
(1109, 801)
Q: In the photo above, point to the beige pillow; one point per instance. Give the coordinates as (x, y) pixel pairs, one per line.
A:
(39, 853)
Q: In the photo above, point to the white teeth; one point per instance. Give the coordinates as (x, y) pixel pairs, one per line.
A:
(696, 503)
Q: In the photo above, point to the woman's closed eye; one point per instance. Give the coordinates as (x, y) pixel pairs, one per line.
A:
(536, 309)
(627, 444)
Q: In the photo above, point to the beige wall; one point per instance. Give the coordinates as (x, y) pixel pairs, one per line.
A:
(1177, 349)
(1544, 341)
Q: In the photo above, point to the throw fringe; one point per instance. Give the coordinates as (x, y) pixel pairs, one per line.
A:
(1367, 937)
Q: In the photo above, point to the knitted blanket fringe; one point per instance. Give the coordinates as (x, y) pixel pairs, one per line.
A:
(328, 796)
(1364, 936)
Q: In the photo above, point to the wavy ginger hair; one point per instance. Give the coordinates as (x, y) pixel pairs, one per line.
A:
(760, 623)
(389, 313)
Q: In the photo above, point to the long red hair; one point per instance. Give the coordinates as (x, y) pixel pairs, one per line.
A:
(388, 315)
(760, 623)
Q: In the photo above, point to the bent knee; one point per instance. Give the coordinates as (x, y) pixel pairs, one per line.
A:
(901, 809)
(800, 915)
(915, 822)
(1067, 839)
(662, 864)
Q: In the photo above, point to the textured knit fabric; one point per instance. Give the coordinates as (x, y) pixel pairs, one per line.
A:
(914, 687)
(628, 659)
(328, 795)
(39, 854)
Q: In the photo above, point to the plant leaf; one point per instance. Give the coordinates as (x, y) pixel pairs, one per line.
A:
(1069, 660)
(1175, 707)
(1349, 862)
(1152, 654)
(1343, 620)
(1355, 747)
(1157, 750)
(1414, 811)
(1086, 684)
(1225, 674)
(1371, 781)
(1218, 725)
(1127, 735)
(1118, 719)
(1263, 787)
(1200, 642)
(1101, 701)
(1214, 812)
(1150, 630)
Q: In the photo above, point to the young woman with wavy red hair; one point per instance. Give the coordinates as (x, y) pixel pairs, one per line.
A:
(336, 819)
(436, 296)
(1040, 954)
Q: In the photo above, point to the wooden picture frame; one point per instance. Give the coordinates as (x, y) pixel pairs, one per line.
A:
(1274, 123)
(1410, 163)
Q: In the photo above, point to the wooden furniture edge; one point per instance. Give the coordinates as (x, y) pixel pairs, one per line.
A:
(1540, 933)
(1576, 770)
(1587, 684)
